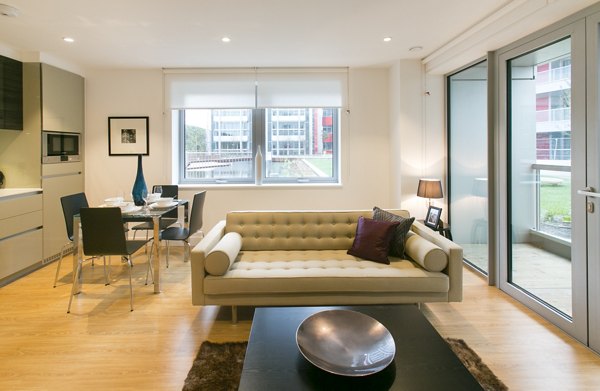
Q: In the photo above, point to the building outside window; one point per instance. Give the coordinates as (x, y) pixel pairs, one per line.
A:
(298, 146)
(553, 110)
(553, 145)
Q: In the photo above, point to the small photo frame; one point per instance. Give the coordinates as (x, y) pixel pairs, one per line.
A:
(432, 220)
(128, 136)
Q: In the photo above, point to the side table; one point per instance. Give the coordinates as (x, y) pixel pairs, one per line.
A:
(443, 229)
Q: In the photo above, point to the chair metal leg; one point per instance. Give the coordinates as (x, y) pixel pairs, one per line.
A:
(62, 250)
(167, 252)
(149, 269)
(77, 273)
(106, 281)
(146, 246)
(130, 284)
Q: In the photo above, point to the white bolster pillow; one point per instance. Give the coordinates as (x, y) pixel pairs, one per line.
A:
(425, 253)
(220, 258)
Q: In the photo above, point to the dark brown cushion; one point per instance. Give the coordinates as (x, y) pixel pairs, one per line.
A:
(404, 224)
(372, 240)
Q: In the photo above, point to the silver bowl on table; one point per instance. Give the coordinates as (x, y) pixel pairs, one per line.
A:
(345, 342)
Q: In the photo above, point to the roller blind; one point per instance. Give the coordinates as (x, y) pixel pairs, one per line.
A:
(205, 89)
(301, 88)
(260, 88)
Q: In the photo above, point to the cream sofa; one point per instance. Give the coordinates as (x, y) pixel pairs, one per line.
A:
(281, 258)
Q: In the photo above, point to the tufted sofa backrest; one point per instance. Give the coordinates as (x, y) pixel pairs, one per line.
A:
(297, 230)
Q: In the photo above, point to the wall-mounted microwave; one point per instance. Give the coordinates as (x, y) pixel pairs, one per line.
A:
(60, 147)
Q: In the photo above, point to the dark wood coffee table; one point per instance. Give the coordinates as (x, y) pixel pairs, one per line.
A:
(423, 360)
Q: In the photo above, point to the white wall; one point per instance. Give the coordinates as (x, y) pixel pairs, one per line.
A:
(365, 148)
(121, 93)
(417, 134)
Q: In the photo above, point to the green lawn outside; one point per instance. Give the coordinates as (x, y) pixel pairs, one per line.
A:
(324, 165)
(555, 202)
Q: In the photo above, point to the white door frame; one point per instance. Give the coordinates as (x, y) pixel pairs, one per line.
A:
(593, 178)
(578, 326)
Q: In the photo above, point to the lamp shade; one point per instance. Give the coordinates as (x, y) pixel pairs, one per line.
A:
(430, 188)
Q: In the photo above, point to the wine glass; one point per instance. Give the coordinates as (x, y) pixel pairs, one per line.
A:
(157, 190)
(145, 197)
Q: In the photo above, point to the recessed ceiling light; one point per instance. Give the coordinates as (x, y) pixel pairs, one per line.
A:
(68, 39)
(9, 10)
(387, 39)
(226, 39)
(415, 49)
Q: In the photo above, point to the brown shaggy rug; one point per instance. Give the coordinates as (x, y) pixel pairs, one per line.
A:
(213, 370)
(478, 369)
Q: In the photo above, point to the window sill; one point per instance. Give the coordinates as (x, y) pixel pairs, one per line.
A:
(237, 186)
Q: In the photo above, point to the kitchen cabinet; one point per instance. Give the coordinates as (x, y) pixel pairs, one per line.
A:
(62, 110)
(62, 100)
(20, 231)
(58, 180)
(11, 94)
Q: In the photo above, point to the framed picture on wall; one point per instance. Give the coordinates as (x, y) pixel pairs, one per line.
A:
(128, 136)
(432, 220)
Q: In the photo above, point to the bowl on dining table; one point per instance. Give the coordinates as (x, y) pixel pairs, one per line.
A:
(164, 202)
(114, 201)
(153, 197)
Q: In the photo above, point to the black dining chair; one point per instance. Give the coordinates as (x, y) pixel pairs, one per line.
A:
(167, 219)
(182, 233)
(71, 204)
(103, 235)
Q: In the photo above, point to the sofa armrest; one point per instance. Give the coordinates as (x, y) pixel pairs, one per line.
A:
(198, 257)
(454, 270)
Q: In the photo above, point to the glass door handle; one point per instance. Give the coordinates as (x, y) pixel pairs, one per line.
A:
(588, 192)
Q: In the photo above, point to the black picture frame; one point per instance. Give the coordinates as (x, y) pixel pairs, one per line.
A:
(128, 136)
(432, 220)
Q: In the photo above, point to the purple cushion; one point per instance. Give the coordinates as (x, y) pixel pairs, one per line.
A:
(372, 240)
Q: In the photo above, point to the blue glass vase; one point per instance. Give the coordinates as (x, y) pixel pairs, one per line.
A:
(139, 190)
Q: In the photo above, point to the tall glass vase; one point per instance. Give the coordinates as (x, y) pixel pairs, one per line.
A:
(139, 190)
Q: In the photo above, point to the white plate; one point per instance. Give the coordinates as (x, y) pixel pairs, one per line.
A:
(163, 206)
(117, 205)
(114, 201)
(131, 209)
(153, 197)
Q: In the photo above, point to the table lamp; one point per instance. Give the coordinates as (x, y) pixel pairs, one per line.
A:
(430, 188)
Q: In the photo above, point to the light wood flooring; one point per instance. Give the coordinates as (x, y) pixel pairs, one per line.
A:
(102, 345)
(536, 270)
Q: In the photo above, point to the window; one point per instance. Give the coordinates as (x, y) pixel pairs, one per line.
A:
(223, 118)
(218, 145)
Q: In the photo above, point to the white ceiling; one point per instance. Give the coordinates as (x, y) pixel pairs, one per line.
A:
(187, 33)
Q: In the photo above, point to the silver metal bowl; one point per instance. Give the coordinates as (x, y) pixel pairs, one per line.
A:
(345, 342)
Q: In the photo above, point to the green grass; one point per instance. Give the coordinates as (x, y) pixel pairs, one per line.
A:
(555, 202)
(324, 165)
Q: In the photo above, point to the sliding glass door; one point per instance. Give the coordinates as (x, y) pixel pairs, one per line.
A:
(468, 162)
(544, 241)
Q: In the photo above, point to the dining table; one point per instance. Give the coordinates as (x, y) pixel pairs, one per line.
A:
(133, 214)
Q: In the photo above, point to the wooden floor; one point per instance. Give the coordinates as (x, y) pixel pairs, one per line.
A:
(102, 345)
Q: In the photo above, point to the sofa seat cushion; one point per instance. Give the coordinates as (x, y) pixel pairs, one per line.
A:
(274, 272)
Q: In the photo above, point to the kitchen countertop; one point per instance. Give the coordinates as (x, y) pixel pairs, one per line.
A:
(18, 192)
